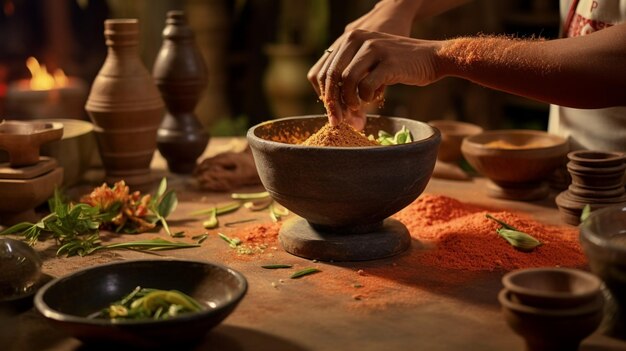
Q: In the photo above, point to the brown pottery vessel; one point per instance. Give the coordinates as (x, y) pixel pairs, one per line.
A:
(597, 181)
(545, 329)
(181, 75)
(518, 172)
(22, 140)
(125, 106)
(344, 194)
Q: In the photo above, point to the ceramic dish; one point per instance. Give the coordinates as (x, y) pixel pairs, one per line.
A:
(68, 301)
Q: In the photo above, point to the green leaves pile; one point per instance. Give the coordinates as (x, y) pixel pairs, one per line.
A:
(403, 136)
(76, 227)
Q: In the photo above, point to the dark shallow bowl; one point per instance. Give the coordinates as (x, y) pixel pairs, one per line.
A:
(603, 237)
(552, 287)
(343, 187)
(67, 301)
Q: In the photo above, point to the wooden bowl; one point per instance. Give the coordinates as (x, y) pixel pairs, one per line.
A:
(22, 140)
(67, 301)
(552, 287)
(516, 161)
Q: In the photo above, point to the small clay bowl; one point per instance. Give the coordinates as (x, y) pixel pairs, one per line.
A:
(75, 151)
(452, 135)
(67, 302)
(551, 329)
(603, 238)
(22, 140)
(552, 287)
(516, 161)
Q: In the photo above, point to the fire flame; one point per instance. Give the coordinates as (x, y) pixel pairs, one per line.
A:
(41, 79)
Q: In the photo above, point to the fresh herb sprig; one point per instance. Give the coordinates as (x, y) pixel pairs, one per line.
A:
(162, 204)
(75, 227)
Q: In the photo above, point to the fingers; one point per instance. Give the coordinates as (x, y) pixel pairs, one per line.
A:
(317, 73)
(356, 118)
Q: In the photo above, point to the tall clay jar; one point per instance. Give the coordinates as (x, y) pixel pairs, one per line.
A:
(125, 106)
(181, 75)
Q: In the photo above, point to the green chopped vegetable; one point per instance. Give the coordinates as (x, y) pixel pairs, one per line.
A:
(403, 136)
(306, 271)
(233, 243)
(144, 303)
(276, 266)
(250, 196)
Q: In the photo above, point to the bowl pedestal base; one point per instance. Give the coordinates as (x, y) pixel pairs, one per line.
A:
(299, 238)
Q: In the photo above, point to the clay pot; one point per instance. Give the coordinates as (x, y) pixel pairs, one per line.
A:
(553, 288)
(517, 173)
(452, 135)
(551, 329)
(597, 181)
(125, 107)
(22, 140)
(181, 76)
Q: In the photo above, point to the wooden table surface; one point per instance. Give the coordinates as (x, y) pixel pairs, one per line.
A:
(424, 312)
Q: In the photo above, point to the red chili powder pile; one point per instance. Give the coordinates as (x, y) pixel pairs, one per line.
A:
(465, 239)
(454, 235)
(450, 237)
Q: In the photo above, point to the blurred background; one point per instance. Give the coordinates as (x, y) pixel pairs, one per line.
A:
(257, 52)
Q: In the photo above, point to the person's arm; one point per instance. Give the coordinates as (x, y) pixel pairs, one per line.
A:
(388, 16)
(581, 72)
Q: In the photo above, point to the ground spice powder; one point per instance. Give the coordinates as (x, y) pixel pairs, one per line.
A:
(342, 135)
(450, 237)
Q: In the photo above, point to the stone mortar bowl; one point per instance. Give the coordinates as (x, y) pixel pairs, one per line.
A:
(516, 172)
(603, 237)
(343, 189)
(545, 329)
(552, 287)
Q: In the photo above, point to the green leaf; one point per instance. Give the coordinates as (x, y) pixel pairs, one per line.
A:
(18, 228)
(585, 213)
(306, 271)
(276, 266)
(168, 204)
(230, 207)
(161, 189)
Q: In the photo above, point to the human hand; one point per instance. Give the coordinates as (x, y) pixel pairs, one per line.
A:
(359, 68)
(388, 17)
